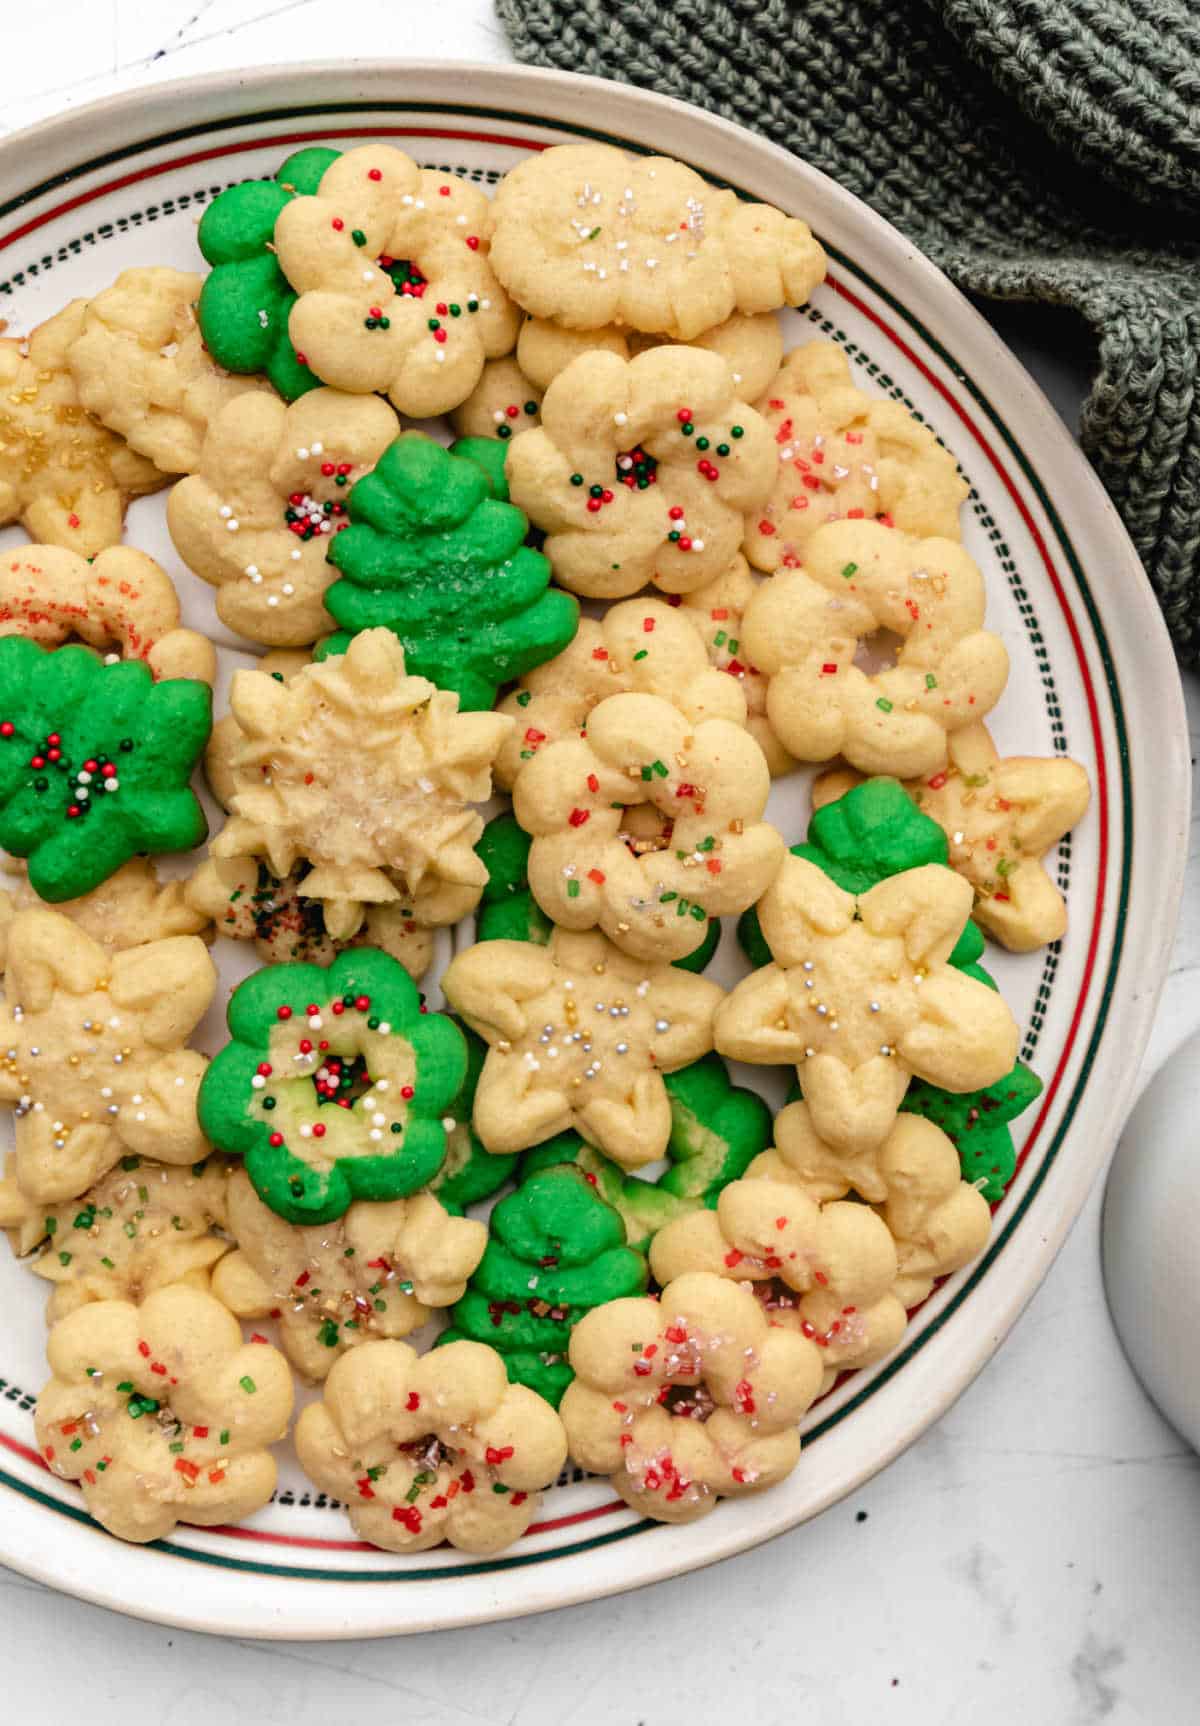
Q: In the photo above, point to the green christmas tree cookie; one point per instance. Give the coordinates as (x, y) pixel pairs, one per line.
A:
(94, 763)
(469, 1173)
(717, 1129)
(246, 298)
(436, 556)
(977, 1121)
(555, 1251)
(334, 1086)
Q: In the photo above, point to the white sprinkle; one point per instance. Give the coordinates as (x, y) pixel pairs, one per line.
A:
(233, 526)
(224, 512)
(318, 449)
(258, 1081)
(620, 419)
(449, 1123)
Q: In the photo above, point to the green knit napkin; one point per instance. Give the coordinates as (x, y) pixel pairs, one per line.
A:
(1035, 149)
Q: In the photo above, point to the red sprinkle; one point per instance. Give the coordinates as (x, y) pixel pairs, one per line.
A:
(494, 1457)
(413, 1403)
(577, 817)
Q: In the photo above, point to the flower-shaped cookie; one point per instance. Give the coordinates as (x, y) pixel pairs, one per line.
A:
(716, 611)
(431, 1449)
(141, 367)
(707, 851)
(143, 1226)
(368, 774)
(805, 627)
(751, 346)
(120, 600)
(396, 293)
(162, 1413)
(93, 1055)
(640, 646)
(66, 478)
(130, 908)
(688, 1398)
(586, 235)
(860, 996)
(334, 1085)
(640, 469)
(502, 403)
(94, 763)
(579, 1036)
(375, 1272)
(255, 520)
(846, 455)
(1000, 817)
(939, 1221)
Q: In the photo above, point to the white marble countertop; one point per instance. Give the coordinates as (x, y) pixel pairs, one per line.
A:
(1037, 1552)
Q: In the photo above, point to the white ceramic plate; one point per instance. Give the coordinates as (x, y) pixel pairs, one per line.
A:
(123, 183)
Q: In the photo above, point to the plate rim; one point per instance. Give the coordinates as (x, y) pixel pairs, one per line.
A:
(544, 97)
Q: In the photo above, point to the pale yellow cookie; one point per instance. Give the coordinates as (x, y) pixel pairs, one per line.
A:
(751, 346)
(424, 348)
(939, 1221)
(370, 775)
(587, 235)
(688, 1398)
(142, 1226)
(708, 853)
(120, 600)
(132, 907)
(502, 403)
(579, 1036)
(806, 630)
(716, 611)
(844, 455)
(821, 1171)
(257, 517)
(641, 646)
(66, 478)
(861, 997)
(640, 471)
(377, 1271)
(162, 1413)
(141, 367)
(1001, 817)
(431, 1449)
(93, 1052)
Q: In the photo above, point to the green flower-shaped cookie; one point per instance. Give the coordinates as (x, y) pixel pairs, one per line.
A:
(555, 1251)
(335, 1085)
(508, 910)
(717, 1129)
(977, 1122)
(469, 1173)
(246, 298)
(94, 763)
(434, 554)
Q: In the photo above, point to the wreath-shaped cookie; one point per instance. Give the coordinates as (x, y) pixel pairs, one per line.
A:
(374, 1272)
(716, 611)
(395, 290)
(162, 1413)
(120, 600)
(333, 1086)
(586, 235)
(751, 344)
(650, 885)
(846, 455)
(688, 1398)
(641, 471)
(578, 1009)
(860, 995)
(434, 1448)
(804, 628)
(502, 403)
(256, 518)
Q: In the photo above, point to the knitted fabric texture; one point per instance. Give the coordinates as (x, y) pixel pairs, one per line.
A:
(1035, 149)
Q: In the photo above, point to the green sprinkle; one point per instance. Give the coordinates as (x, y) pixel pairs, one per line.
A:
(64, 1258)
(108, 1264)
(176, 1448)
(666, 898)
(375, 1472)
(699, 913)
(930, 680)
(720, 638)
(848, 570)
(144, 1195)
(659, 767)
(733, 645)
(224, 1438)
(51, 1225)
(380, 1306)
(86, 1218)
(357, 235)
(576, 479)
(176, 1222)
(572, 889)
(125, 1384)
(129, 1163)
(498, 1486)
(101, 1465)
(592, 235)
(349, 1253)
(525, 697)
(883, 704)
(737, 431)
(248, 1385)
(328, 1334)
(1005, 866)
(642, 653)
(674, 535)
(92, 1371)
(131, 1229)
(722, 449)
(701, 443)
(706, 844)
(76, 1444)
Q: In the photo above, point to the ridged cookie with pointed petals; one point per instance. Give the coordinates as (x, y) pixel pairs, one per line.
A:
(751, 344)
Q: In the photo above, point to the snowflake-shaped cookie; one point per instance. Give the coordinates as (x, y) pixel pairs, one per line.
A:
(716, 610)
(143, 1226)
(396, 293)
(92, 1052)
(586, 235)
(141, 367)
(640, 471)
(431, 1449)
(688, 1398)
(66, 478)
(366, 773)
(708, 852)
(579, 1036)
(806, 629)
(846, 455)
(374, 1272)
(255, 520)
(641, 646)
(861, 998)
(162, 1413)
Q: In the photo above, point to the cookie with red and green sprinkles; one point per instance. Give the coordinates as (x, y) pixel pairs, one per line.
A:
(335, 1085)
(95, 762)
